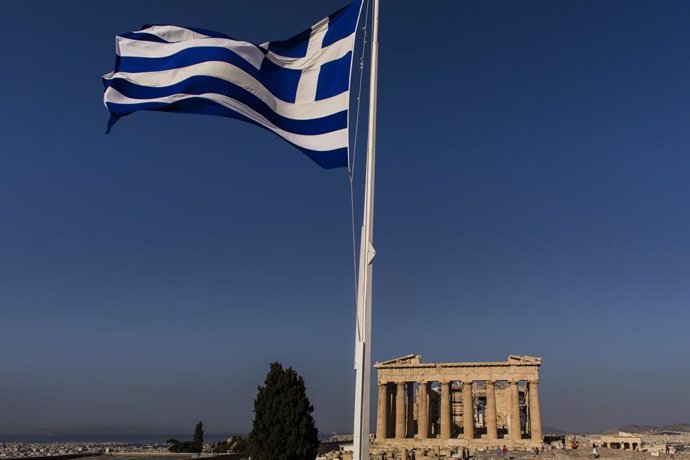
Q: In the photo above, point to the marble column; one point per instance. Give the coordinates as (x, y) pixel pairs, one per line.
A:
(382, 412)
(400, 410)
(490, 413)
(535, 411)
(422, 411)
(410, 409)
(390, 432)
(467, 411)
(445, 410)
(515, 432)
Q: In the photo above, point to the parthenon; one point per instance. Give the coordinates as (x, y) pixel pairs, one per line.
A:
(451, 405)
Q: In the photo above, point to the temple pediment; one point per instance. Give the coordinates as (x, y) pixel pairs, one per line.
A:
(523, 359)
(407, 359)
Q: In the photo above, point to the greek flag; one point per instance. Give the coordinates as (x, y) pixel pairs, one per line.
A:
(298, 88)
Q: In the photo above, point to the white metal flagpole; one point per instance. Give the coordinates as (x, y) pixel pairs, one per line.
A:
(366, 257)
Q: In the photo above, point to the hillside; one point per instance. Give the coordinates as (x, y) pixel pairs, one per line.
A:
(677, 427)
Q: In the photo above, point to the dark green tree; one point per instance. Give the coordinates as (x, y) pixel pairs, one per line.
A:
(283, 427)
(198, 439)
(182, 446)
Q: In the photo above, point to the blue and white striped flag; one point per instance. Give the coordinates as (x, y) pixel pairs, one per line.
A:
(298, 88)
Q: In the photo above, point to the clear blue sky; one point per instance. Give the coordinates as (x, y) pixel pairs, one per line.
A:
(533, 197)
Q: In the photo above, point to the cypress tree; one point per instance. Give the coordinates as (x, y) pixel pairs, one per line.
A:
(198, 440)
(283, 427)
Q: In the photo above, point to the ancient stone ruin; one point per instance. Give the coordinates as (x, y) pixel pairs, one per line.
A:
(445, 407)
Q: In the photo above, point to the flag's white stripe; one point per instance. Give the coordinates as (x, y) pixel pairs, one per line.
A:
(173, 33)
(327, 54)
(128, 47)
(233, 74)
(318, 142)
(308, 82)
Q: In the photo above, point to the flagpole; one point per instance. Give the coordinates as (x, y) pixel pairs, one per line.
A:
(366, 256)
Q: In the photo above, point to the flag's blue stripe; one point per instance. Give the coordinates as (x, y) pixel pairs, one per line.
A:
(201, 85)
(329, 159)
(281, 82)
(184, 58)
(342, 23)
(326, 159)
(295, 47)
(334, 77)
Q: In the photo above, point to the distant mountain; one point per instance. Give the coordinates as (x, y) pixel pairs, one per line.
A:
(631, 429)
(549, 430)
(681, 427)
(678, 427)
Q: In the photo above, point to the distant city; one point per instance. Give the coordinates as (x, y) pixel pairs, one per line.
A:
(79, 441)
(73, 448)
(88, 444)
